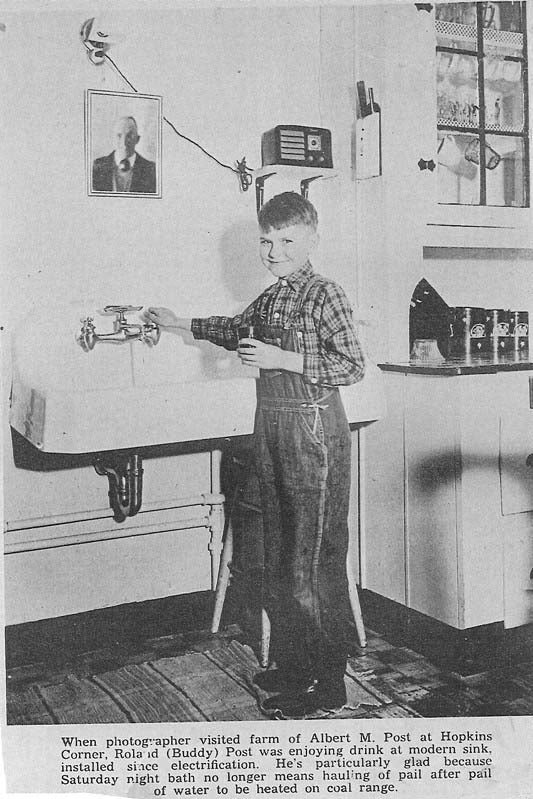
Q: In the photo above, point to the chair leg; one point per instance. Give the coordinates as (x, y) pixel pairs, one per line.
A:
(223, 578)
(356, 610)
(265, 638)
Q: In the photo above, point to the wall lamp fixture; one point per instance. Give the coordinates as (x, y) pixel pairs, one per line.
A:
(97, 39)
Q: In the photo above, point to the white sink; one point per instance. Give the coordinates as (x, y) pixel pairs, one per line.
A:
(122, 396)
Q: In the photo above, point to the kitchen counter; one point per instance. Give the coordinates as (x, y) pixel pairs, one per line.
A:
(459, 366)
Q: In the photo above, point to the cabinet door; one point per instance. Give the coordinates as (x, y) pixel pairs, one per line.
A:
(382, 521)
(482, 115)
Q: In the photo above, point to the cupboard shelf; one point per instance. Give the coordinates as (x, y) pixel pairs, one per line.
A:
(503, 39)
(507, 40)
(446, 123)
(508, 129)
(456, 31)
(454, 124)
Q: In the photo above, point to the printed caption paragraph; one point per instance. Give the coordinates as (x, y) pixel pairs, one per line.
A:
(304, 763)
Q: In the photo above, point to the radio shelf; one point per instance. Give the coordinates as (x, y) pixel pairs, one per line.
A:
(305, 174)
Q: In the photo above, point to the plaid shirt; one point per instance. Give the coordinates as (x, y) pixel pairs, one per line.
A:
(331, 350)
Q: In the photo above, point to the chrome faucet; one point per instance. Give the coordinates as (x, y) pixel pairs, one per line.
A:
(123, 330)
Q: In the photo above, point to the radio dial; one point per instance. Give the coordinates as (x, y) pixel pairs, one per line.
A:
(310, 158)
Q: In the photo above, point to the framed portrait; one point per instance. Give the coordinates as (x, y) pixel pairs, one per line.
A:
(123, 144)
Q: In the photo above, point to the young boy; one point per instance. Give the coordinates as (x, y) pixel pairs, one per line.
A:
(305, 346)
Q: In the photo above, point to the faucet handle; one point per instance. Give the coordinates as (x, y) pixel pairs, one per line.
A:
(119, 312)
(151, 333)
(87, 335)
(121, 309)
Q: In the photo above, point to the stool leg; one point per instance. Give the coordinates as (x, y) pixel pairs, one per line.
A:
(265, 638)
(356, 610)
(223, 578)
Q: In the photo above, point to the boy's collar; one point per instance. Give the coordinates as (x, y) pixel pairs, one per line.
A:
(299, 277)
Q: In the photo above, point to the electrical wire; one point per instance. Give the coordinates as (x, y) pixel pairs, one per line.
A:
(242, 170)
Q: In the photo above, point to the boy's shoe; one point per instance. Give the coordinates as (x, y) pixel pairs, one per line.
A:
(298, 704)
(281, 680)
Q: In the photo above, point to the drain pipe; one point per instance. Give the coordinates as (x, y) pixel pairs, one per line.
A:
(125, 475)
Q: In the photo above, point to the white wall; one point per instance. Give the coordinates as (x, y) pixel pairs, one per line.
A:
(493, 278)
(226, 75)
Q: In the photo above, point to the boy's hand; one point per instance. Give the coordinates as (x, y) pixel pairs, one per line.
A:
(166, 318)
(265, 356)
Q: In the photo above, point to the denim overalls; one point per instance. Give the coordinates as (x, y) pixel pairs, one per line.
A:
(302, 448)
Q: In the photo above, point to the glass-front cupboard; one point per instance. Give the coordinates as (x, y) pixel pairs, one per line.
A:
(482, 104)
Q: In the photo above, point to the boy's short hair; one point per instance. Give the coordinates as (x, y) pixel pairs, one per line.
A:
(288, 208)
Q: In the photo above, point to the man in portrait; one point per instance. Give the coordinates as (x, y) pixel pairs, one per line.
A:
(124, 170)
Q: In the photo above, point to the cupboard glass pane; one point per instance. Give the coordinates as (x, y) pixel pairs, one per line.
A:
(504, 95)
(503, 43)
(458, 169)
(457, 90)
(503, 16)
(506, 181)
(456, 25)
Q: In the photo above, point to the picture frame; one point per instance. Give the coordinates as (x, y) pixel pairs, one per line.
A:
(123, 133)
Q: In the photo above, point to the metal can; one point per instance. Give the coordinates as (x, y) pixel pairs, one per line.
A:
(498, 327)
(467, 331)
(519, 332)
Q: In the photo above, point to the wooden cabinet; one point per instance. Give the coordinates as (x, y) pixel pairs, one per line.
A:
(448, 498)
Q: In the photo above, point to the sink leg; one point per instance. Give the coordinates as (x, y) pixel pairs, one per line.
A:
(216, 525)
(216, 516)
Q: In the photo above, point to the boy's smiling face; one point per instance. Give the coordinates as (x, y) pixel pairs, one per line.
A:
(285, 250)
